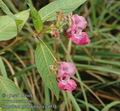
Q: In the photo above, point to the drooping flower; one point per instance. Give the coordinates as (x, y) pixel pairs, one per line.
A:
(66, 70)
(67, 85)
(80, 38)
(78, 22)
(75, 31)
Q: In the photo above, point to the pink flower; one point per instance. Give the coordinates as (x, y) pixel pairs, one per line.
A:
(78, 22)
(80, 38)
(66, 70)
(75, 31)
(67, 85)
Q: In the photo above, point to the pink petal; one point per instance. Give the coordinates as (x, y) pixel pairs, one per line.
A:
(70, 86)
(79, 21)
(67, 85)
(61, 84)
(66, 70)
(82, 39)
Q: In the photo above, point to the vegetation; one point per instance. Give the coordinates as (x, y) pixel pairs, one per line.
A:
(28, 53)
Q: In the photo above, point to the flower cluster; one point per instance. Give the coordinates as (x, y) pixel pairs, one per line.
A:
(66, 69)
(65, 72)
(75, 31)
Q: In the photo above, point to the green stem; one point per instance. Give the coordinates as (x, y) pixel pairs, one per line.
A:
(76, 106)
(79, 78)
(11, 6)
(29, 2)
(6, 9)
(93, 12)
(2, 68)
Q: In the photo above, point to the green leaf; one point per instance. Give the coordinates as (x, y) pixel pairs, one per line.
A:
(44, 59)
(21, 19)
(36, 19)
(49, 11)
(11, 97)
(8, 28)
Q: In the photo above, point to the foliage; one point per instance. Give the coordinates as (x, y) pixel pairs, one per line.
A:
(26, 54)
